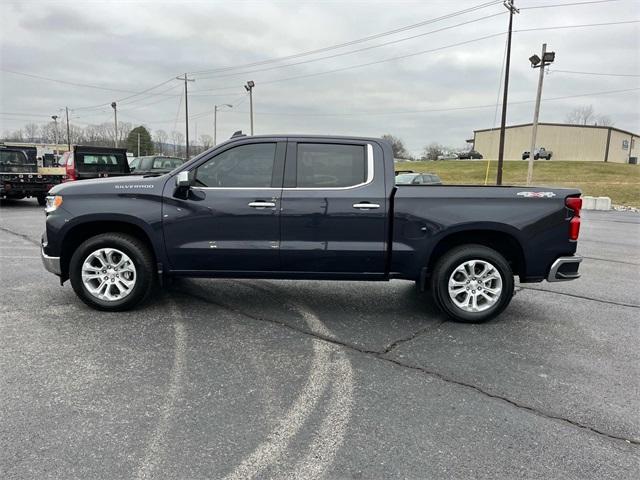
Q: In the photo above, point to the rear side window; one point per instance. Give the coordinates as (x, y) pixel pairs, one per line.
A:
(245, 166)
(321, 165)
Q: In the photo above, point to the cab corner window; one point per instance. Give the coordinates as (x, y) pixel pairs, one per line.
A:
(245, 166)
(322, 165)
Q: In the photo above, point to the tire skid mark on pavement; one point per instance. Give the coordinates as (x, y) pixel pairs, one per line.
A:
(331, 433)
(582, 297)
(156, 445)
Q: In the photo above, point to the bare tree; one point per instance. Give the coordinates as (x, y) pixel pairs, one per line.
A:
(432, 151)
(604, 121)
(397, 145)
(584, 115)
(206, 141)
(161, 138)
(31, 130)
(177, 138)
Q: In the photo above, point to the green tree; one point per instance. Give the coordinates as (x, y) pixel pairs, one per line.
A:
(146, 144)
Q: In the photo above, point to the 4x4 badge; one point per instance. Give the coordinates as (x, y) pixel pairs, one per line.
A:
(536, 194)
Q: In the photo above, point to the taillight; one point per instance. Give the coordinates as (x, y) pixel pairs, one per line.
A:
(70, 170)
(574, 204)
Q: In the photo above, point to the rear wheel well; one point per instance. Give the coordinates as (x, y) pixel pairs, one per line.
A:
(501, 242)
(84, 231)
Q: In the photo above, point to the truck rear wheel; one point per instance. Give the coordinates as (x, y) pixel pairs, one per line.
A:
(42, 200)
(112, 271)
(472, 283)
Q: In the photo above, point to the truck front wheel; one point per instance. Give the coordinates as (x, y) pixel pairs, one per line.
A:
(112, 271)
(472, 283)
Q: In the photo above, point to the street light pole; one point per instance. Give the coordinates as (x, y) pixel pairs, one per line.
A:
(215, 121)
(186, 109)
(115, 119)
(249, 88)
(55, 132)
(512, 9)
(544, 60)
(66, 109)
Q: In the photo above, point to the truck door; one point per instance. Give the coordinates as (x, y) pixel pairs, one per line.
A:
(334, 209)
(229, 220)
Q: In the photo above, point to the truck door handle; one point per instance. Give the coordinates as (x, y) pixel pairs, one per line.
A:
(365, 205)
(259, 204)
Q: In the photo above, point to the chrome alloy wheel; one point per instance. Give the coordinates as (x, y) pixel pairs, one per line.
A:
(108, 274)
(475, 286)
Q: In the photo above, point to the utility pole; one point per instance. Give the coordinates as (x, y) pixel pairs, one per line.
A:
(537, 62)
(66, 109)
(55, 132)
(512, 9)
(215, 121)
(186, 109)
(115, 119)
(138, 144)
(249, 88)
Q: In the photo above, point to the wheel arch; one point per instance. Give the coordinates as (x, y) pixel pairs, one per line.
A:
(505, 243)
(80, 232)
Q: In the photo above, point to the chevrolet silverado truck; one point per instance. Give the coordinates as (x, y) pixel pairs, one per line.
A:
(308, 207)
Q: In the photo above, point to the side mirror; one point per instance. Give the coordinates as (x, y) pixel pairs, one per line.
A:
(182, 180)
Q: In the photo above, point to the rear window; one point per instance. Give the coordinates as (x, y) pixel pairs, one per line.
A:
(95, 162)
(166, 163)
(99, 159)
(14, 161)
(321, 165)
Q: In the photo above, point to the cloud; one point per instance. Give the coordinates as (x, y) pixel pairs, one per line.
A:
(135, 45)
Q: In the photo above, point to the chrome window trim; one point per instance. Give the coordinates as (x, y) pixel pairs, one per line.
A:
(369, 180)
(370, 175)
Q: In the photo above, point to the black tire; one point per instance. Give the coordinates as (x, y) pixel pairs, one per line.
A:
(42, 200)
(138, 253)
(455, 257)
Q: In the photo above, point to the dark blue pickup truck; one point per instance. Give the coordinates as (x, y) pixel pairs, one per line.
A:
(308, 207)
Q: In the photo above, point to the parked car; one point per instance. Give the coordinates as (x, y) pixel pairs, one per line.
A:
(308, 207)
(84, 162)
(538, 154)
(418, 179)
(470, 155)
(448, 156)
(20, 176)
(157, 164)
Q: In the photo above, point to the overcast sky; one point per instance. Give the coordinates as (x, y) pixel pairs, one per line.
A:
(130, 46)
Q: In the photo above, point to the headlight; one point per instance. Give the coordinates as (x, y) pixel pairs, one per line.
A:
(52, 203)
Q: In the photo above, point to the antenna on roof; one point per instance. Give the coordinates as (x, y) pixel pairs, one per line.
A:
(238, 133)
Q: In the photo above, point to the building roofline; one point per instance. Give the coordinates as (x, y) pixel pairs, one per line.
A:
(560, 125)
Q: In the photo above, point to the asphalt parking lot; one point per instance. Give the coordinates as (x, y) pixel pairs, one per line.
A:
(294, 379)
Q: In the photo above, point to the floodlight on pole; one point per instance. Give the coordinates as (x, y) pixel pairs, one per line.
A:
(55, 132)
(215, 120)
(541, 62)
(249, 88)
(115, 119)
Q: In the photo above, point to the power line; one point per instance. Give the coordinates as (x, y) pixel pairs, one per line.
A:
(353, 42)
(595, 73)
(567, 4)
(371, 47)
(438, 110)
(422, 52)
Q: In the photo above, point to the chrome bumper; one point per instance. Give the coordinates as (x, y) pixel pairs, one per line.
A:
(52, 264)
(564, 269)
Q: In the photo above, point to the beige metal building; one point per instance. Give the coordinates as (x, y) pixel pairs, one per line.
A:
(567, 142)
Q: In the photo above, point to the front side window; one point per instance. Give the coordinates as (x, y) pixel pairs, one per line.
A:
(322, 165)
(245, 166)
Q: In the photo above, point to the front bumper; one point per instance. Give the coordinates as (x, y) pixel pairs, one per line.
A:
(52, 264)
(564, 269)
